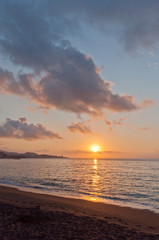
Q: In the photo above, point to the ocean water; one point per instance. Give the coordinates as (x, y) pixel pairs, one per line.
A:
(133, 183)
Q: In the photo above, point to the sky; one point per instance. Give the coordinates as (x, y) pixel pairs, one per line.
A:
(80, 73)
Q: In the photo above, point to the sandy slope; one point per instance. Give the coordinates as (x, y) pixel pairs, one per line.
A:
(25, 215)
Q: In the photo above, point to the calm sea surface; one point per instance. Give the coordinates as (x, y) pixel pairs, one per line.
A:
(133, 183)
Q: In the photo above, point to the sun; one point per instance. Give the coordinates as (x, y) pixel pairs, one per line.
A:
(95, 148)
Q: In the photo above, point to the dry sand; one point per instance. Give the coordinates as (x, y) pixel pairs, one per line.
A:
(25, 215)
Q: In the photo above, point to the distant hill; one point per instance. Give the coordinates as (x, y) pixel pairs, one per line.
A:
(15, 155)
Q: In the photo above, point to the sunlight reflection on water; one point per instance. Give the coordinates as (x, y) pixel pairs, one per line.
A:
(125, 182)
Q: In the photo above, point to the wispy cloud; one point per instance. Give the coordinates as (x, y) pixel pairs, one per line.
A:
(118, 122)
(104, 152)
(144, 128)
(22, 130)
(79, 127)
(147, 103)
(108, 123)
(154, 65)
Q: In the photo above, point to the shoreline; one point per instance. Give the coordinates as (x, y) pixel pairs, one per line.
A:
(134, 221)
(91, 198)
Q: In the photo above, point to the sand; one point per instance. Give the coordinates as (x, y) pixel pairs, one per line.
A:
(26, 215)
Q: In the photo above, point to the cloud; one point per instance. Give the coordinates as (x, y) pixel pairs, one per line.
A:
(120, 121)
(34, 36)
(79, 127)
(43, 108)
(135, 23)
(108, 123)
(75, 89)
(39, 25)
(22, 130)
(78, 152)
(90, 152)
(111, 152)
(154, 65)
(147, 103)
(144, 128)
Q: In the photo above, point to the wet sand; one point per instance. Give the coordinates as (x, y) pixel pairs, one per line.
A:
(25, 215)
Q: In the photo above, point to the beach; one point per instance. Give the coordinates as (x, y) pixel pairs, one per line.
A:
(27, 215)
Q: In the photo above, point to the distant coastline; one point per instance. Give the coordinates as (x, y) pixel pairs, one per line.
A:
(15, 155)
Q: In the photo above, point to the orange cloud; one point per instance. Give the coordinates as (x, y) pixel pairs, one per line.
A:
(147, 103)
(144, 128)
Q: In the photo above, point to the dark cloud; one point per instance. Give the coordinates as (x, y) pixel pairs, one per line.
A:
(135, 23)
(76, 90)
(22, 130)
(42, 27)
(79, 127)
(34, 35)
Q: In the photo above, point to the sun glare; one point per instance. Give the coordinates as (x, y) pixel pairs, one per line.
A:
(95, 148)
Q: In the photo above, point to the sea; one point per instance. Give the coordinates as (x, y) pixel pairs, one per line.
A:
(133, 183)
